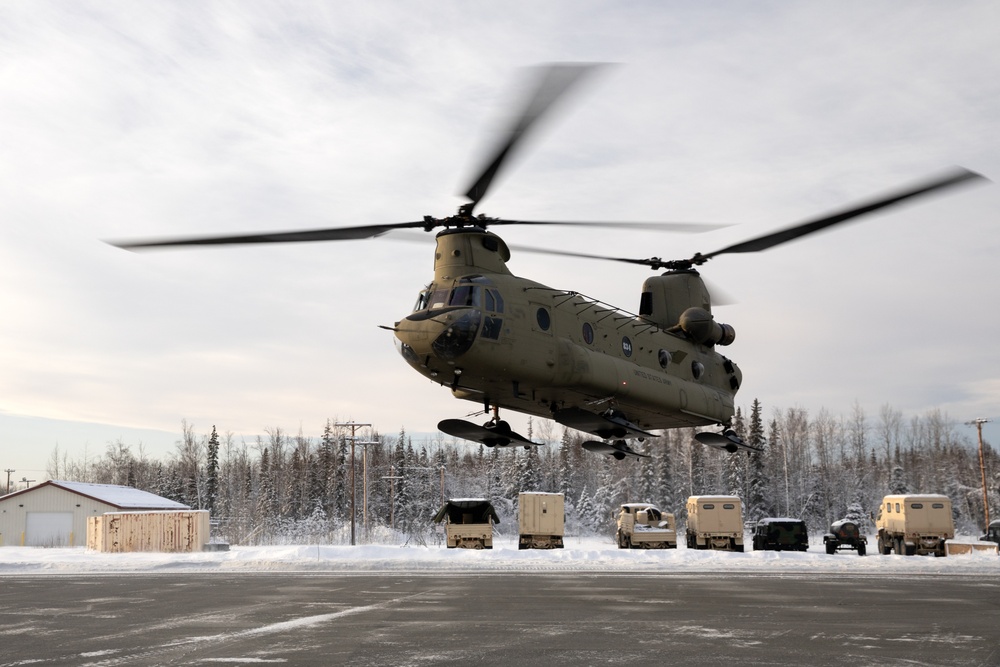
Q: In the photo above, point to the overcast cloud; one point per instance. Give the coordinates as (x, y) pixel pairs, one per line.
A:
(129, 119)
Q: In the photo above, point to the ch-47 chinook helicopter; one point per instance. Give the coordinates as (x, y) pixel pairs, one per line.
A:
(510, 343)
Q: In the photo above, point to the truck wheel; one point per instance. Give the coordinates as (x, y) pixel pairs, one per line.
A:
(831, 548)
(883, 547)
(898, 546)
(861, 549)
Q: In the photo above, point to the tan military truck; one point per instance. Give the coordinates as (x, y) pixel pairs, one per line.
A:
(643, 526)
(468, 522)
(541, 519)
(912, 524)
(715, 522)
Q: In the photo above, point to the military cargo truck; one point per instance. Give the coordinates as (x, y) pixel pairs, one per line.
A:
(912, 524)
(845, 534)
(643, 526)
(468, 522)
(992, 532)
(715, 522)
(780, 534)
(540, 518)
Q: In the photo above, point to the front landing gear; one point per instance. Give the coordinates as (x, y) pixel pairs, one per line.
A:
(494, 433)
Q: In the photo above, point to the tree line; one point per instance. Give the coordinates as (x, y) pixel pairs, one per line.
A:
(280, 488)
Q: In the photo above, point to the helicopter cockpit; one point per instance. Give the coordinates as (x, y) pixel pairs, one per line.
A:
(479, 307)
(469, 292)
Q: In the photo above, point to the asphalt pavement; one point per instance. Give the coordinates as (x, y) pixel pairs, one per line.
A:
(498, 619)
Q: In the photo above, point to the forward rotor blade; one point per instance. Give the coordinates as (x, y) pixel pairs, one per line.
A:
(553, 83)
(955, 177)
(332, 234)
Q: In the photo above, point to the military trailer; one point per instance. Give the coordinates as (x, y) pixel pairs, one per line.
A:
(844, 535)
(912, 524)
(468, 523)
(540, 519)
(780, 534)
(643, 526)
(715, 522)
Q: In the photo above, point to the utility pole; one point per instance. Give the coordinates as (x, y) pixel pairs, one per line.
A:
(354, 427)
(364, 484)
(392, 495)
(978, 423)
(8, 471)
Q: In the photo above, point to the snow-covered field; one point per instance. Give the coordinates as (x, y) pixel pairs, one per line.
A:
(582, 554)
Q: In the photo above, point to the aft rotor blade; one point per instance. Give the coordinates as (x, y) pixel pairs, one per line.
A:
(682, 227)
(653, 262)
(553, 83)
(955, 177)
(331, 234)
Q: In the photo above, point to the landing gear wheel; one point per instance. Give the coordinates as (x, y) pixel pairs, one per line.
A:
(499, 426)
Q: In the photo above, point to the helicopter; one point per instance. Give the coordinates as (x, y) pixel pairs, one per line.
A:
(510, 343)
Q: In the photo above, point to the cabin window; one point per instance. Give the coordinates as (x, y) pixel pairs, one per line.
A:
(938, 506)
(543, 318)
(588, 333)
(916, 506)
(897, 507)
(729, 506)
(708, 507)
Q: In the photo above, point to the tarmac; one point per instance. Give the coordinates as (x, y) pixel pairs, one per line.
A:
(411, 618)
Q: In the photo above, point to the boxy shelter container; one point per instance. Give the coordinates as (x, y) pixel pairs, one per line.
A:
(173, 531)
(55, 513)
(541, 520)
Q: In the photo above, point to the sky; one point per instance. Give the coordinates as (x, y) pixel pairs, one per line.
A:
(123, 120)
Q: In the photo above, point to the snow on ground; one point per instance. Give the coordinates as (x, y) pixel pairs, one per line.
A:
(581, 554)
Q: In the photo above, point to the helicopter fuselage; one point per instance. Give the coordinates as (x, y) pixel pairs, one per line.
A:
(508, 342)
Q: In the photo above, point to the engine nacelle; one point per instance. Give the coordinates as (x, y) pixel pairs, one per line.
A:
(701, 326)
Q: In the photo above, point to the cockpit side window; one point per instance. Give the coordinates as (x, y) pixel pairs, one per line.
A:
(422, 299)
(494, 302)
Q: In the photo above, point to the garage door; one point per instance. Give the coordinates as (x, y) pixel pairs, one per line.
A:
(49, 529)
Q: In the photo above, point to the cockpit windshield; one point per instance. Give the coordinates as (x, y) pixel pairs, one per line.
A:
(467, 293)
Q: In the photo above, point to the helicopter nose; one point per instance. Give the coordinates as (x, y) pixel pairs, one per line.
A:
(446, 335)
(458, 336)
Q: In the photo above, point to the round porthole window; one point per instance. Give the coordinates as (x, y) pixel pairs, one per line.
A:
(664, 358)
(588, 333)
(544, 321)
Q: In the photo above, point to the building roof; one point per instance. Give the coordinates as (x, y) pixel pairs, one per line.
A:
(121, 497)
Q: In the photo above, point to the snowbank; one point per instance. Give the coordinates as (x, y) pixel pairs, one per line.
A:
(588, 554)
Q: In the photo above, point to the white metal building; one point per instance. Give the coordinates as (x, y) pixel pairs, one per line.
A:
(54, 513)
